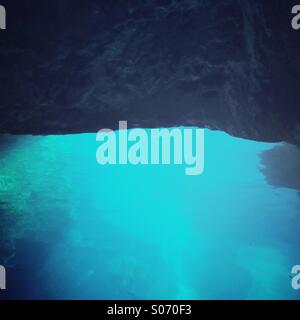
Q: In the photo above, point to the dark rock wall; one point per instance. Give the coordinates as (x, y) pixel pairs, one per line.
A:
(81, 65)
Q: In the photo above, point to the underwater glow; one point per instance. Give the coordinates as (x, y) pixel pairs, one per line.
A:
(77, 230)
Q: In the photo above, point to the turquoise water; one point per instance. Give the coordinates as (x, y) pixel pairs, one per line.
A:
(79, 230)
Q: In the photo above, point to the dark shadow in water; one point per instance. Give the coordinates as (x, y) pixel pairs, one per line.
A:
(24, 278)
(25, 263)
(25, 258)
(6, 245)
(7, 143)
(281, 166)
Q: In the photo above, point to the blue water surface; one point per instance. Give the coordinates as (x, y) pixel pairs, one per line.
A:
(149, 231)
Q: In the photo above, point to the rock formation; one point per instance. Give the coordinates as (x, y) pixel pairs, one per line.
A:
(78, 66)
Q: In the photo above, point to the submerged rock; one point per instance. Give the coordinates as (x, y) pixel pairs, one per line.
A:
(281, 166)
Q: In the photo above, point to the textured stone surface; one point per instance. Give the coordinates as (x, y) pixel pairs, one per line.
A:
(78, 66)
